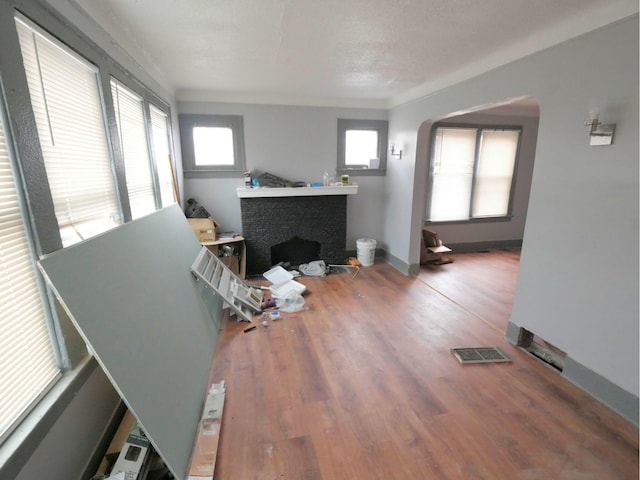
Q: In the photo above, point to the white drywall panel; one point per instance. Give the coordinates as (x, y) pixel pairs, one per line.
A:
(132, 296)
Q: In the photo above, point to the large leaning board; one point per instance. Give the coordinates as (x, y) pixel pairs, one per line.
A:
(131, 294)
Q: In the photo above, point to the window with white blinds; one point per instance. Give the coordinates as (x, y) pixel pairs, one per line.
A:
(472, 173)
(162, 155)
(67, 105)
(496, 161)
(452, 168)
(27, 361)
(132, 131)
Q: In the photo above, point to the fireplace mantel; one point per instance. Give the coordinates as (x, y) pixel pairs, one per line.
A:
(266, 192)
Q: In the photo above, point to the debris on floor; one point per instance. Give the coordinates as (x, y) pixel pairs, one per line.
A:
(432, 250)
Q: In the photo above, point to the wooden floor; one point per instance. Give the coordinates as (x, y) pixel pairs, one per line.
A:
(362, 385)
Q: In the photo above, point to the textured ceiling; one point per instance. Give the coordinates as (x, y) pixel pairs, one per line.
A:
(330, 51)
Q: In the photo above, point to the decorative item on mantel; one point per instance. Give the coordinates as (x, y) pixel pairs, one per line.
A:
(270, 180)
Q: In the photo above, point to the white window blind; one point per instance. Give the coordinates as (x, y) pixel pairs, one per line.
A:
(68, 109)
(495, 172)
(27, 361)
(453, 161)
(129, 110)
(161, 152)
(472, 172)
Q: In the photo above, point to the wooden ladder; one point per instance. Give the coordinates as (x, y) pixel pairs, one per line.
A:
(239, 297)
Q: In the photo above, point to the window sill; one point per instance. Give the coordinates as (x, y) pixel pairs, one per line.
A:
(471, 221)
(361, 172)
(213, 173)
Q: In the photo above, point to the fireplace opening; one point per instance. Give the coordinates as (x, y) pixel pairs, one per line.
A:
(295, 252)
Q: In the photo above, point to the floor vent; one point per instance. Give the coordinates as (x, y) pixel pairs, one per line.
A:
(480, 355)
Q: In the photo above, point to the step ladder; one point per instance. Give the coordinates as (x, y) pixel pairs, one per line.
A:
(242, 299)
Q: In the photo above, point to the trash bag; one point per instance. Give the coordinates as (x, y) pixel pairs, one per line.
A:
(316, 268)
(193, 210)
(292, 302)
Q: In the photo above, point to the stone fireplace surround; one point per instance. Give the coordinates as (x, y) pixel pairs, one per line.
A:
(274, 215)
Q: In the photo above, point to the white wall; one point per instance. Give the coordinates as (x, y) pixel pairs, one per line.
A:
(296, 143)
(578, 284)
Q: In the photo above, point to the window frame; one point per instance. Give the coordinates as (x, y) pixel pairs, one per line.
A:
(58, 350)
(156, 159)
(67, 218)
(430, 176)
(188, 122)
(382, 129)
(133, 163)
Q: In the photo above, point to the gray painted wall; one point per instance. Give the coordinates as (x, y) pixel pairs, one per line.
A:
(66, 450)
(296, 143)
(578, 283)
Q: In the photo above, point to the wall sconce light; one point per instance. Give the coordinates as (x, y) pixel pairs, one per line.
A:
(600, 133)
(396, 153)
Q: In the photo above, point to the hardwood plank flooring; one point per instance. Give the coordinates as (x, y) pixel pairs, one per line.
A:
(362, 385)
(482, 282)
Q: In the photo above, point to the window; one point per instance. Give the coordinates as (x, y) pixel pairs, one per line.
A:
(26, 354)
(362, 146)
(162, 157)
(472, 173)
(132, 131)
(212, 145)
(72, 136)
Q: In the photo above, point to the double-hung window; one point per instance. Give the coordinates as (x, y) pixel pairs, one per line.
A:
(66, 101)
(472, 173)
(362, 146)
(132, 132)
(27, 361)
(212, 145)
(162, 156)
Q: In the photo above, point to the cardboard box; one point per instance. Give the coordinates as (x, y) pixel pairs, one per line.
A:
(204, 228)
(133, 455)
(205, 450)
(117, 442)
(231, 261)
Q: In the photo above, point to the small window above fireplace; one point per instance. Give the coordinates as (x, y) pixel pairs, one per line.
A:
(362, 147)
(212, 145)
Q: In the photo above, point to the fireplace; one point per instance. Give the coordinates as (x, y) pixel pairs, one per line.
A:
(311, 214)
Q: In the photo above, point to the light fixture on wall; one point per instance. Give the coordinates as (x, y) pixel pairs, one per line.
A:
(396, 153)
(600, 133)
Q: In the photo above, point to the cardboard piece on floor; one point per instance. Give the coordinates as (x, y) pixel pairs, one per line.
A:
(432, 250)
(131, 294)
(205, 450)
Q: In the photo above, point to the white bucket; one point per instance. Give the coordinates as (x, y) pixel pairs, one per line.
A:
(366, 250)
